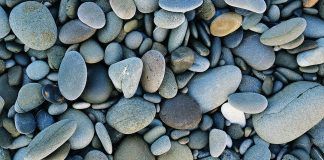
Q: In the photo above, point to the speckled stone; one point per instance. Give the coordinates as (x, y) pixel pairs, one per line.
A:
(37, 70)
(257, 6)
(34, 25)
(168, 20)
(75, 31)
(125, 9)
(248, 102)
(4, 23)
(147, 6)
(257, 151)
(92, 15)
(112, 28)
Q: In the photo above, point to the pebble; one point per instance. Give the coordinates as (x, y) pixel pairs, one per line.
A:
(168, 20)
(153, 134)
(84, 129)
(4, 21)
(257, 6)
(104, 137)
(206, 11)
(19, 142)
(177, 134)
(131, 115)
(98, 86)
(233, 115)
(255, 54)
(34, 25)
(44, 119)
(4, 154)
(75, 31)
(133, 40)
(284, 32)
(245, 145)
(6, 138)
(60, 154)
(54, 56)
(52, 94)
(202, 87)
(112, 28)
(312, 28)
(153, 71)
(25, 123)
(206, 123)
(177, 152)
(92, 15)
(309, 3)
(113, 53)
(147, 6)
(95, 155)
(81, 105)
(251, 20)
(250, 84)
(198, 139)
(72, 76)
(91, 51)
(133, 147)
(290, 74)
(257, 152)
(182, 59)
(217, 142)
(161, 146)
(126, 75)
(225, 24)
(181, 112)
(177, 36)
(235, 131)
(50, 139)
(160, 34)
(201, 64)
(316, 135)
(293, 44)
(234, 39)
(300, 97)
(311, 57)
(180, 5)
(124, 9)
(169, 87)
(248, 102)
(37, 70)
(29, 97)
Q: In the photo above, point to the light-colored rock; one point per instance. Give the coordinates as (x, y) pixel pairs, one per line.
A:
(217, 142)
(125, 9)
(104, 137)
(233, 115)
(92, 15)
(248, 102)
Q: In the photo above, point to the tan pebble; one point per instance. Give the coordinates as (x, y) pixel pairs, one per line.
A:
(309, 3)
(225, 24)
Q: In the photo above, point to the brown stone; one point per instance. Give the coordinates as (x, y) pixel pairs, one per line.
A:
(225, 24)
(309, 3)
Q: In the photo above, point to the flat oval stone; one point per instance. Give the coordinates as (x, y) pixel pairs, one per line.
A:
(133, 40)
(311, 57)
(72, 76)
(284, 32)
(131, 115)
(177, 152)
(99, 86)
(75, 31)
(291, 112)
(147, 6)
(248, 102)
(133, 147)
(25, 123)
(257, 6)
(112, 28)
(126, 75)
(4, 23)
(153, 71)
(313, 27)
(181, 112)
(177, 36)
(84, 128)
(217, 142)
(169, 87)
(44, 119)
(125, 9)
(154, 133)
(92, 15)
(254, 53)
(50, 139)
(161, 146)
(91, 51)
(225, 24)
(29, 97)
(113, 53)
(34, 25)
(168, 20)
(104, 137)
(37, 70)
(180, 5)
(257, 151)
(211, 88)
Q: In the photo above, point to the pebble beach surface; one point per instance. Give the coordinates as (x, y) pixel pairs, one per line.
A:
(162, 80)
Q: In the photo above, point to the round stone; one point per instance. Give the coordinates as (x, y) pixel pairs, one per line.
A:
(198, 139)
(125, 9)
(91, 51)
(57, 109)
(133, 40)
(153, 71)
(131, 115)
(34, 25)
(211, 88)
(225, 24)
(29, 97)
(113, 53)
(181, 112)
(98, 87)
(257, 6)
(284, 32)
(133, 147)
(257, 151)
(126, 75)
(4, 23)
(25, 123)
(95, 155)
(177, 152)
(72, 76)
(254, 53)
(84, 128)
(75, 31)
(180, 5)
(288, 118)
(168, 20)
(92, 15)
(49, 139)
(37, 70)
(248, 102)
(182, 59)
(112, 28)
(217, 142)
(161, 146)
(147, 6)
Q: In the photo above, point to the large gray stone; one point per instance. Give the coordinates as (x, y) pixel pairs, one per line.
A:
(29, 97)
(4, 23)
(291, 112)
